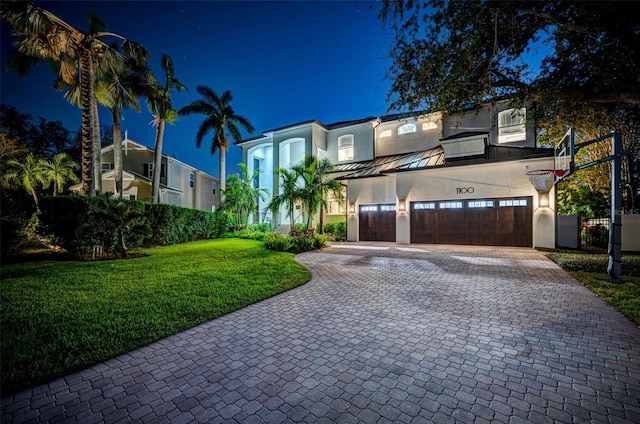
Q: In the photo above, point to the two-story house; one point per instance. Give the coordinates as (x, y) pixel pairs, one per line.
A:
(423, 177)
(180, 184)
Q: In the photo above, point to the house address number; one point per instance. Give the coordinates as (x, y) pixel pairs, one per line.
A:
(464, 190)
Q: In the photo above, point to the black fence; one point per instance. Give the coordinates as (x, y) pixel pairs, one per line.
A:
(594, 234)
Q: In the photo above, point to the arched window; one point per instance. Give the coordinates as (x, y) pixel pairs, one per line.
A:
(408, 128)
(345, 148)
(512, 125)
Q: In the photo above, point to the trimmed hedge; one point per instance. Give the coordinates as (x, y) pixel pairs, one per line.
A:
(63, 216)
(336, 230)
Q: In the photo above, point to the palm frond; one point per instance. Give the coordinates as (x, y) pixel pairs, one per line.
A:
(208, 94)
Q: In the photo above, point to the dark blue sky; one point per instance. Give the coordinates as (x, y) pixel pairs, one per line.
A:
(284, 62)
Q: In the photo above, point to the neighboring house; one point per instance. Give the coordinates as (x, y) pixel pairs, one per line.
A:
(423, 177)
(180, 184)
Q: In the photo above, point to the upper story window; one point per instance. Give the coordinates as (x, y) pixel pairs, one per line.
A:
(408, 128)
(512, 125)
(214, 186)
(192, 179)
(385, 133)
(345, 148)
(107, 166)
(429, 126)
(148, 170)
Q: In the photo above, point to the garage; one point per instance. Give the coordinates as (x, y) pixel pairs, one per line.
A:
(489, 222)
(377, 222)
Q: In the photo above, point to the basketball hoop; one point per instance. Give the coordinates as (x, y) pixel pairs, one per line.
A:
(542, 180)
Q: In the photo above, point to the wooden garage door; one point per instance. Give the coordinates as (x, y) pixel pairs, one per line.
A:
(490, 222)
(377, 222)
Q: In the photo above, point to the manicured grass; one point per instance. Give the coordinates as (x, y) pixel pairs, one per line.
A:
(57, 317)
(591, 270)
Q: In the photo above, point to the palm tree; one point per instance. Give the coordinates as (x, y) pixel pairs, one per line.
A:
(160, 105)
(240, 195)
(58, 171)
(324, 186)
(219, 118)
(122, 86)
(27, 174)
(289, 194)
(44, 36)
(73, 95)
(313, 174)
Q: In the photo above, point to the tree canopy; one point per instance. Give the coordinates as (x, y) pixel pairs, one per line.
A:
(576, 62)
(446, 54)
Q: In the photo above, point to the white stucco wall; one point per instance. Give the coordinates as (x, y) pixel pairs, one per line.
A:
(487, 180)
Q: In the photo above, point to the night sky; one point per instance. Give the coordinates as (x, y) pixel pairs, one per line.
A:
(284, 62)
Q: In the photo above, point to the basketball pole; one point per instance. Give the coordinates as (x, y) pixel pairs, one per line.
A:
(614, 268)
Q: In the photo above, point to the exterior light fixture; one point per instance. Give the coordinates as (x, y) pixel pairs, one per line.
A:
(402, 205)
(543, 200)
(352, 208)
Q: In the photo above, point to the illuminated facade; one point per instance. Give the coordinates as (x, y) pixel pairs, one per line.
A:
(423, 177)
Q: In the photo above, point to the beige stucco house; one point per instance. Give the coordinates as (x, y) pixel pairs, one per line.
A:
(423, 177)
(180, 184)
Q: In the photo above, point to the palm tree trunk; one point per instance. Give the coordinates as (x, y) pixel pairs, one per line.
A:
(86, 93)
(157, 163)
(117, 151)
(223, 173)
(321, 230)
(97, 149)
(35, 198)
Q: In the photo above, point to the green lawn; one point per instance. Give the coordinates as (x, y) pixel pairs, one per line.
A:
(57, 317)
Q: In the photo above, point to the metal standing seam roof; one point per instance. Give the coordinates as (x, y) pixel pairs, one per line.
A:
(431, 158)
(379, 166)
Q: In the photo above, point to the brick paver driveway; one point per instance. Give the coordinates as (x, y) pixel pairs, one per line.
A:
(382, 333)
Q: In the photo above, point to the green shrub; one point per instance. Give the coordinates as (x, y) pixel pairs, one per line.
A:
(337, 231)
(278, 242)
(320, 241)
(308, 241)
(12, 233)
(246, 234)
(222, 223)
(264, 227)
(299, 227)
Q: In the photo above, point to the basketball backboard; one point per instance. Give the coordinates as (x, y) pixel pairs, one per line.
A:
(564, 156)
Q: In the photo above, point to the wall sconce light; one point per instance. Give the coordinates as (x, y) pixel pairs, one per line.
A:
(543, 200)
(402, 205)
(352, 208)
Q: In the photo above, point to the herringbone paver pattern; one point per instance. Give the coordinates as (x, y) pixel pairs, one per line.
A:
(382, 334)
